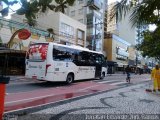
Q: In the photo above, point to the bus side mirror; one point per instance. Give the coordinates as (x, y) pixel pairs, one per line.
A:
(4, 80)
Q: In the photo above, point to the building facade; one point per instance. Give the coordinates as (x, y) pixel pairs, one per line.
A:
(91, 13)
(125, 30)
(119, 49)
(65, 30)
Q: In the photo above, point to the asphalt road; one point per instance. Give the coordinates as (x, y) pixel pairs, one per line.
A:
(21, 84)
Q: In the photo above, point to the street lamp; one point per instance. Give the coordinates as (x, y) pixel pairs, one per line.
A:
(94, 40)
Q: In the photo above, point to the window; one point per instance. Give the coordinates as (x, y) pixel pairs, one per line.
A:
(89, 21)
(80, 34)
(73, 13)
(80, 1)
(80, 20)
(61, 53)
(38, 51)
(80, 11)
(67, 30)
(80, 58)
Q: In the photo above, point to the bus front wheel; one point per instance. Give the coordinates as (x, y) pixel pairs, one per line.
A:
(70, 78)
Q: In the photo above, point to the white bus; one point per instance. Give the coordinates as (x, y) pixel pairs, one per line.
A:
(57, 62)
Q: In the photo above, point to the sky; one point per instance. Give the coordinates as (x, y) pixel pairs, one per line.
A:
(111, 1)
(14, 7)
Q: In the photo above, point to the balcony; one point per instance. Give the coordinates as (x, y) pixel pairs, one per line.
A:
(94, 4)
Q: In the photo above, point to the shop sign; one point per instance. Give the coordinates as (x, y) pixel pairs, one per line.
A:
(122, 52)
(24, 34)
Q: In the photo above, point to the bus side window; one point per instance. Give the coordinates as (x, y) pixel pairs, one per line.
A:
(61, 53)
(92, 60)
(97, 58)
(85, 58)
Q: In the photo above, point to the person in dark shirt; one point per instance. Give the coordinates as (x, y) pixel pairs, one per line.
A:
(128, 70)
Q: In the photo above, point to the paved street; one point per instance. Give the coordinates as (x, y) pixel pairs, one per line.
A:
(133, 100)
(21, 84)
(28, 93)
(109, 96)
(57, 58)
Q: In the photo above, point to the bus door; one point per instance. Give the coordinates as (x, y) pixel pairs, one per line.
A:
(98, 66)
(36, 66)
(98, 70)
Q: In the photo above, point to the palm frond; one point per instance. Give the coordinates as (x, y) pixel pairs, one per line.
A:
(45, 5)
(70, 2)
(141, 12)
(62, 4)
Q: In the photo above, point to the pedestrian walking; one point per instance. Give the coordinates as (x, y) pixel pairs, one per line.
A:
(155, 76)
(128, 70)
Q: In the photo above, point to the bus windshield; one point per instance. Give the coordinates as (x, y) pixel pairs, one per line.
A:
(38, 51)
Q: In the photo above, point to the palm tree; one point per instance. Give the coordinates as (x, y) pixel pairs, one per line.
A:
(45, 5)
(142, 11)
(30, 9)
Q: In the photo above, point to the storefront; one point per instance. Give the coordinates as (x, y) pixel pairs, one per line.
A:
(111, 67)
(14, 60)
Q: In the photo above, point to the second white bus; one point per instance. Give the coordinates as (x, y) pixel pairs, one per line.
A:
(56, 62)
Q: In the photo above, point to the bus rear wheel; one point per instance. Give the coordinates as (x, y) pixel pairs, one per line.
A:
(70, 78)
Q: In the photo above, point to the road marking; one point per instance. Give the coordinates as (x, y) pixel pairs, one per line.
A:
(117, 83)
(88, 87)
(29, 99)
(109, 81)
